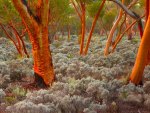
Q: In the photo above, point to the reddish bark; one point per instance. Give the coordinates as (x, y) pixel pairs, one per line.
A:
(21, 44)
(120, 37)
(37, 29)
(143, 54)
(110, 37)
(93, 26)
(8, 36)
(83, 28)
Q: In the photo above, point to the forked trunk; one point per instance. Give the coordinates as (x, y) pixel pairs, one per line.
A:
(37, 28)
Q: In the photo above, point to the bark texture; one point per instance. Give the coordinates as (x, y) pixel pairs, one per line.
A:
(37, 28)
(143, 55)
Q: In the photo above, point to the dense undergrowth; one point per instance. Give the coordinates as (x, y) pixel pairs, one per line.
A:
(84, 84)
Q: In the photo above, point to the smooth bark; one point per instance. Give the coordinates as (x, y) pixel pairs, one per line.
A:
(142, 58)
(93, 26)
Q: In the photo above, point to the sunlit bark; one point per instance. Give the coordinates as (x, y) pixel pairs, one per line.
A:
(120, 36)
(143, 55)
(93, 26)
(110, 36)
(38, 34)
(83, 28)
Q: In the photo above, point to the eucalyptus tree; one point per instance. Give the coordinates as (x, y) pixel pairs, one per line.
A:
(35, 17)
(80, 8)
(124, 11)
(143, 54)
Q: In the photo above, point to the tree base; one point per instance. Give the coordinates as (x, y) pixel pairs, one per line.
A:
(38, 83)
(139, 84)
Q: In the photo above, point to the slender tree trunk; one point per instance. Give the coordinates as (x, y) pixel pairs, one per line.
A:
(109, 40)
(111, 33)
(83, 28)
(93, 26)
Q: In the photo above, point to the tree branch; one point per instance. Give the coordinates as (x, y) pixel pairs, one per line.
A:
(22, 9)
(130, 13)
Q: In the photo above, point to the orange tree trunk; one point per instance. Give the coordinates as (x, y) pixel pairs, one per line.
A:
(83, 28)
(118, 39)
(42, 57)
(142, 56)
(93, 26)
(109, 40)
(37, 28)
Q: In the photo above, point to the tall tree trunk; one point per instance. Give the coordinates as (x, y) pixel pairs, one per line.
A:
(42, 57)
(142, 56)
(93, 26)
(140, 63)
(37, 28)
(110, 36)
(83, 28)
(109, 40)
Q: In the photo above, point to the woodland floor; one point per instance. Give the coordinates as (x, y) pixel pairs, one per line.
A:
(84, 84)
